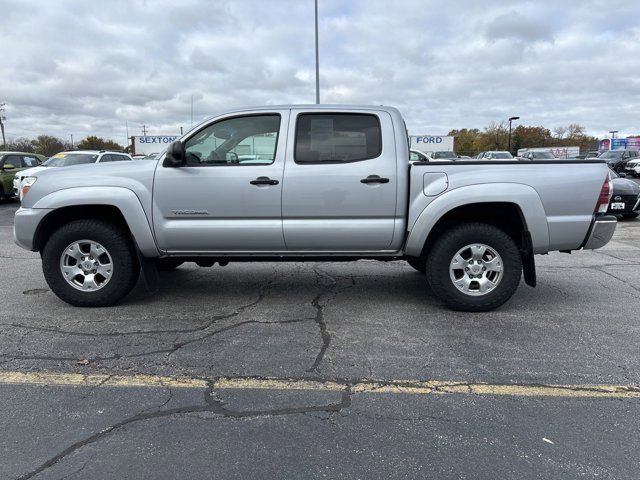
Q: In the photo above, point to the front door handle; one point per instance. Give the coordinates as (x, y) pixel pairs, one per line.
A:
(264, 181)
(374, 179)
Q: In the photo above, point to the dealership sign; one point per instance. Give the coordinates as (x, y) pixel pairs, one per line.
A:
(430, 143)
(153, 143)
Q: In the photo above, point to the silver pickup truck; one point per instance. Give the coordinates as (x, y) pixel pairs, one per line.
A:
(317, 183)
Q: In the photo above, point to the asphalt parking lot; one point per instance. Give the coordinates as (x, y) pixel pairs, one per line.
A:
(323, 370)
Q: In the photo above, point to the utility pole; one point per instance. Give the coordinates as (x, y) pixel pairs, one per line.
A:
(181, 130)
(511, 119)
(144, 130)
(2, 117)
(317, 58)
(71, 134)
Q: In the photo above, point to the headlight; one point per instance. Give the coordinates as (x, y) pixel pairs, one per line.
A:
(25, 186)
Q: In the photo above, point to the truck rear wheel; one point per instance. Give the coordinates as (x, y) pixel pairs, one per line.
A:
(90, 263)
(474, 267)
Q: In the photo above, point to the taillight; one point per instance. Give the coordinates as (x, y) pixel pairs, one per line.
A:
(605, 196)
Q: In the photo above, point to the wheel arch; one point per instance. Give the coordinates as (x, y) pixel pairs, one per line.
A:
(115, 204)
(512, 207)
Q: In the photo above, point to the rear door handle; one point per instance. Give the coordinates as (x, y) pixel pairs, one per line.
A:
(374, 179)
(264, 181)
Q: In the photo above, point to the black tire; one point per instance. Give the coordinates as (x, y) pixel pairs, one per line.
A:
(168, 264)
(630, 215)
(418, 263)
(114, 239)
(445, 248)
(619, 168)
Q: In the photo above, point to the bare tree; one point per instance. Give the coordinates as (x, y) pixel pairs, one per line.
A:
(560, 132)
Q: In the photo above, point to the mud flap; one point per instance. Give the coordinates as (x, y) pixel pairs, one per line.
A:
(149, 272)
(528, 261)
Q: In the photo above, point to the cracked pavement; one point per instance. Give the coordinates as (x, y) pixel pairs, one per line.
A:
(348, 323)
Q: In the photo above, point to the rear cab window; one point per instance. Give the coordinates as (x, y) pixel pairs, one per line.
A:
(337, 138)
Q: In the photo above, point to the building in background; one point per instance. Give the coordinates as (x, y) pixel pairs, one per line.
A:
(629, 143)
(558, 152)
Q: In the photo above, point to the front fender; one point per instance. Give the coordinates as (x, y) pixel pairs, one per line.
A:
(524, 196)
(123, 199)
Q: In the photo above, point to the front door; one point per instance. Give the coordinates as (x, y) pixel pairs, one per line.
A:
(340, 186)
(227, 198)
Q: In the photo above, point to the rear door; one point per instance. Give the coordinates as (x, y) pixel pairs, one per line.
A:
(228, 198)
(339, 193)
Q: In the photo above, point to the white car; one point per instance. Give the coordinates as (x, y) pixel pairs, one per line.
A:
(495, 155)
(66, 159)
(633, 167)
(441, 156)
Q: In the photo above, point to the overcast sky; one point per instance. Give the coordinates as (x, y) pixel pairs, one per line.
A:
(87, 67)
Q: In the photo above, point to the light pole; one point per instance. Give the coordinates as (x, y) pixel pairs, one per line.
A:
(613, 137)
(317, 58)
(511, 119)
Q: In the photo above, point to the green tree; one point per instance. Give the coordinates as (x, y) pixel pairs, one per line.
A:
(530, 137)
(48, 145)
(97, 143)
(466, 140)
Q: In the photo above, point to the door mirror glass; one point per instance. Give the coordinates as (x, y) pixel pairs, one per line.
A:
(175, 155)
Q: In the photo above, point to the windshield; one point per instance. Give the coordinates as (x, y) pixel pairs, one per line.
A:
(612, 154)
(501, 155)
(68, 159)
(441, 155)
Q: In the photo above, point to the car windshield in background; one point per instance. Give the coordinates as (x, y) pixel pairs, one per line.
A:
(544, 156)
(444, 155)
(502, 155)
(611, 154)
(68, 159)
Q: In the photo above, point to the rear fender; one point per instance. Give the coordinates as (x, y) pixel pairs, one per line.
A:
(524, 196)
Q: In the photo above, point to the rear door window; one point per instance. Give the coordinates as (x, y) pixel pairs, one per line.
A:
(28, 161)
(14, 160)
(337, 138)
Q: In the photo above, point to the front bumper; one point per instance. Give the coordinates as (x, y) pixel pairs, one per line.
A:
(26, 223)
(601, 232)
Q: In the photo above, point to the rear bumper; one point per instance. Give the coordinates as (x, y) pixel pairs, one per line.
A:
(25, 223)
(601, 232)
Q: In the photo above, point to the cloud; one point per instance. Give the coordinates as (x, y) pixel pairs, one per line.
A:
(91, 67)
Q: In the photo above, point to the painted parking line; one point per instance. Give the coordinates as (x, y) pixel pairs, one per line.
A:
(435, 387)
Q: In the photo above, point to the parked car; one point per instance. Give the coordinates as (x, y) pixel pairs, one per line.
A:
(495, 155)
(592, 154)
(538, 155)
(10, 163)
(337, 185)
(150, 156)
(138, 156)
(625, 201)
(417, 156)
(633, 168)
(617, 159)
(67, 159)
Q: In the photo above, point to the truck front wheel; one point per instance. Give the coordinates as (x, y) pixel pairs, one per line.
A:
(474, 267)
(90, 263)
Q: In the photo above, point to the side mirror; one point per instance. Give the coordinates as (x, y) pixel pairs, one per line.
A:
(8, 168)
(175, 156)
